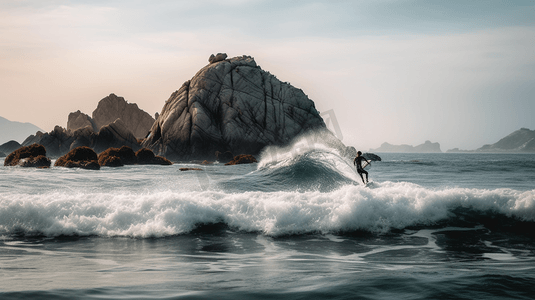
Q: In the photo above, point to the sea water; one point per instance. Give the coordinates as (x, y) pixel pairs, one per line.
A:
(297, 225)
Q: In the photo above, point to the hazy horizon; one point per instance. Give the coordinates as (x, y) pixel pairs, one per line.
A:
(403, 72)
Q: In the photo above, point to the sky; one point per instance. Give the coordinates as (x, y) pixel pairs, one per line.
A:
(460, 73)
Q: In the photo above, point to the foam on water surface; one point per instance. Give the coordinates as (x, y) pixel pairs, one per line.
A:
(350, 208)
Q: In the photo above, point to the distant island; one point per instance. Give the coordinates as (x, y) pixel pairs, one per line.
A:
(15, 131)
(520, 141)
(426, 147)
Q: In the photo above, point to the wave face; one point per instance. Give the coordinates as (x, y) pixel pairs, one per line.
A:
(303, 166)
(388, 206)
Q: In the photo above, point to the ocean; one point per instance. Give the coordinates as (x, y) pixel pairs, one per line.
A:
(297, 225)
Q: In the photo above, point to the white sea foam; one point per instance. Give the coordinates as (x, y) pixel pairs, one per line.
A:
(311, 145)
(392, 205)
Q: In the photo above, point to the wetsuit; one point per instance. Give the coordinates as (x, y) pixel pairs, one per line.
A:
(358, 162)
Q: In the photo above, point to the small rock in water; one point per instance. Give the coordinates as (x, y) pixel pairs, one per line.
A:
(79, 157)
(190, 169)
(242, 159)
(28, 156)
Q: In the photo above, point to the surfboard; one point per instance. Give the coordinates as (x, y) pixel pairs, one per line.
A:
(371, 185)
(366, 165)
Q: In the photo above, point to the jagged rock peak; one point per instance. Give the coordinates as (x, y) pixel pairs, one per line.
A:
(113, 107)
(79, 120)
(232, 105)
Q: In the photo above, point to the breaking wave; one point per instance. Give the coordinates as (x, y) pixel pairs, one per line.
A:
(306, 165)
(387, 207)
(305, 188)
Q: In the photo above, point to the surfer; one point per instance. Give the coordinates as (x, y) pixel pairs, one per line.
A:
(358, 162)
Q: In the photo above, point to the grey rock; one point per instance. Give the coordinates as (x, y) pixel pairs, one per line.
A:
(231, 105)
(79, 120)
(114, 135)
(57, 142)
(60, 141)
(217, 58)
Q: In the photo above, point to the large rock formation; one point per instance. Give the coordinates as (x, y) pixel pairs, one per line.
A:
(231, 105)
(426, 147)
(108, 110)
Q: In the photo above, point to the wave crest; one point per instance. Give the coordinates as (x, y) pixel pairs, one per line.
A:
(351, 208)
(307, 165)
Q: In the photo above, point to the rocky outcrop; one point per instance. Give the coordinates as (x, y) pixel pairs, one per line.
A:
(79, 120)
(113, 107)
(217, 58)
(9, 147)
(79, 157)
(60, 141)
(146, 157)
(231, 105)
(57, 142)
(115, 135)
(242, 159)
(426, 147)
(116, 157)
(28, 156)
(190, 169)
(108, 110)
(522, 140)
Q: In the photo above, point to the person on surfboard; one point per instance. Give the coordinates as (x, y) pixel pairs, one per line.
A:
(358, 162)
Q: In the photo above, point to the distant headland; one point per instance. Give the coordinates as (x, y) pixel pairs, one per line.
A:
(426, 147)
(15, 131)
(520, 141)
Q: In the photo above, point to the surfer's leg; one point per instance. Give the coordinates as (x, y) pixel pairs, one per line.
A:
(365, 172)
(361, 177)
